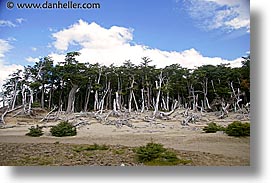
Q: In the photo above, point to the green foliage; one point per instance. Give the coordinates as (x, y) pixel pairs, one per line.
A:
(154, 154)
(51, 83)
(93, 147)
(119, 151)
(63, 129)
(36, 104)
(35, 131)
(238, 129)
(149, 152)
(213, 128)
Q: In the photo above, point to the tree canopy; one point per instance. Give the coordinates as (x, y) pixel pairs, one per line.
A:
(72, 86)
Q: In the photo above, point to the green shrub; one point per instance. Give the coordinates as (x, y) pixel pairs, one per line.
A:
(156, 155)
(91, 147)
(63, 129)
(149, 152)
(213, 128)
(238, 129)
(35, 131)
(36, 104)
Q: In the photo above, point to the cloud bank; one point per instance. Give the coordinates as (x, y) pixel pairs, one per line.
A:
(5, 69)
(227, 15)
(114, 45)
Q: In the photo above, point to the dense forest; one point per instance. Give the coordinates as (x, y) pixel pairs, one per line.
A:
(72, 86)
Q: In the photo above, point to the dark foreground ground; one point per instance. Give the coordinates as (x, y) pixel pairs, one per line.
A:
(57, 154)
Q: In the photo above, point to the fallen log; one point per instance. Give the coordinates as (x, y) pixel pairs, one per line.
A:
(55, 107)
(2, 120)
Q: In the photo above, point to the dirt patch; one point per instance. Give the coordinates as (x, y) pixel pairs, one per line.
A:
(189, 141)
(45, 154)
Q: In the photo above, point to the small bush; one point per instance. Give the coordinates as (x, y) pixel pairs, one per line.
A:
(156, 155)
(238, 129)
(36, 105)
(149, 152)
(213, 128)
(91, 148)
(35, 131)
(63, 129)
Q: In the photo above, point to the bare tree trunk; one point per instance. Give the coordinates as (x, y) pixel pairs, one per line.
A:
(31, 101)
(96, 102)
(142, 102)
(43, 96)
(148, 95)
(50, 98)
(131, 96)
(101, 104)
(135, 100)
(158, 86)
(213, 86)
(23, 93)
(194, 98)
(167, 102)
(114, 106)
(172, 111)
(71, 98)
(14, 94)
(87, 97)
(117, 101)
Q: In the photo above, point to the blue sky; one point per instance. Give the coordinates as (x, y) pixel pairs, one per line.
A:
(188, 32)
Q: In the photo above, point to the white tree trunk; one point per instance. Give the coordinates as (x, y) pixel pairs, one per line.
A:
(158, 85)
(31, 101)
(142, 102)
(135, 101)
(172, 111)
(87, 97)
(71, 98)
(14, 94)
(131, 96)
(117, 101)
(96, 103)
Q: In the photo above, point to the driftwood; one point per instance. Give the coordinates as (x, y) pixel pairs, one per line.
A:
(81, 123)
(47, 115)
(191, 118)
(119, 123)
(171, 112)
(2, 120)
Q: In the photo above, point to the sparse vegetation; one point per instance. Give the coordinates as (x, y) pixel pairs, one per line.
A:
(36, 104)
(238, 129)
(154, 154)
(35, 131)
(91, 147)
(63, 129)
(213, 128)
(119, 151)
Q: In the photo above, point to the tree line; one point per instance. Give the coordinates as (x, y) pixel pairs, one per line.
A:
(72, 86)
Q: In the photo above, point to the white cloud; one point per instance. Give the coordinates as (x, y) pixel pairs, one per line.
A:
(33, 49)
(4, 47)
(219, 14)
(20, 20)
(31, 59)
(6, 69)
(6, 23)
(92, 36)
(114, 45)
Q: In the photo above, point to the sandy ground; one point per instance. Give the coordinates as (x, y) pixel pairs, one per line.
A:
(170, 133)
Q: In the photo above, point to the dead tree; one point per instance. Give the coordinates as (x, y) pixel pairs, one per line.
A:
(71, 99)
(158, 87)
(142, 100)
(96, 103)
(48, 114)
(175, 105)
